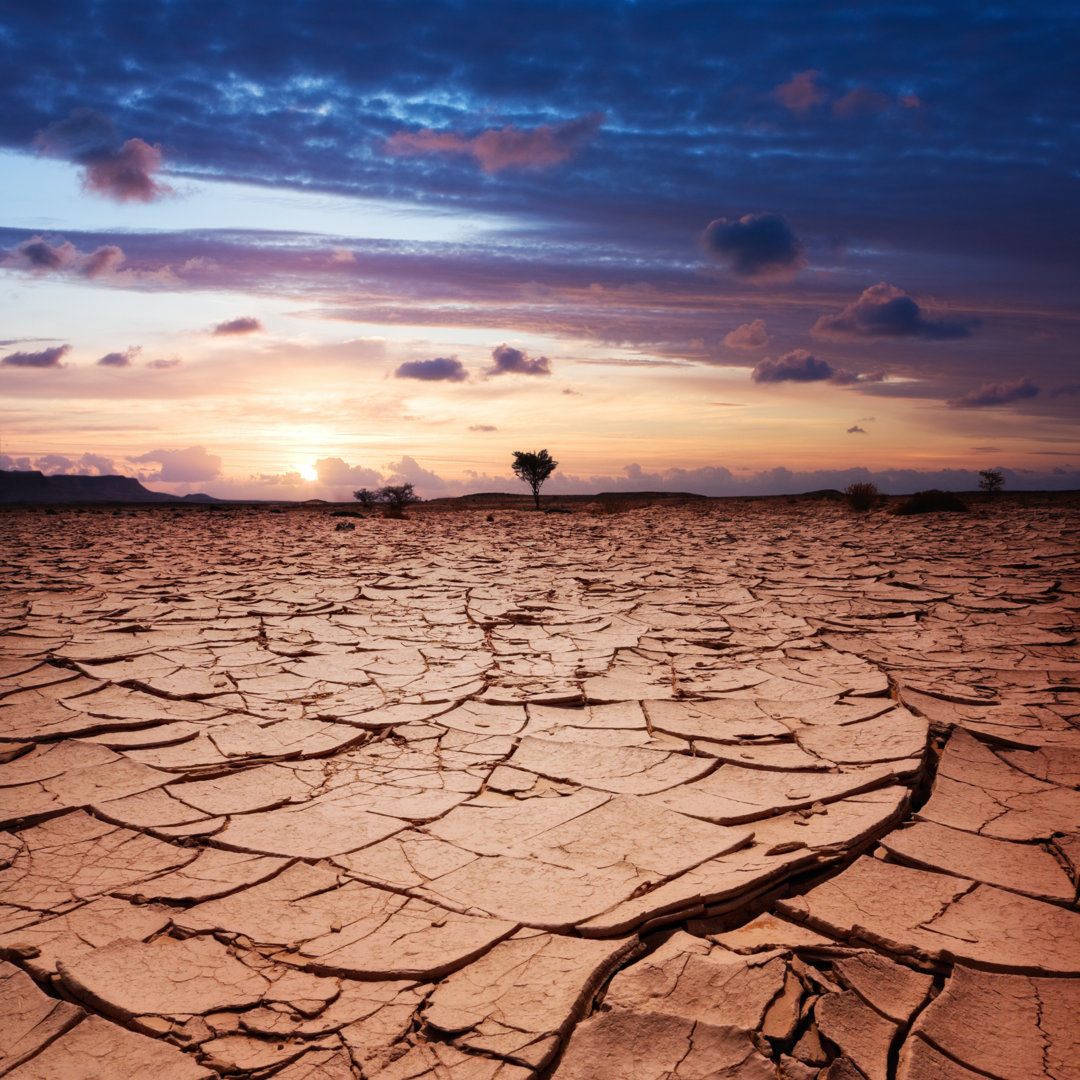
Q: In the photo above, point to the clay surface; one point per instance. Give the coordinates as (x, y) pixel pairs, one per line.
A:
(742, 790)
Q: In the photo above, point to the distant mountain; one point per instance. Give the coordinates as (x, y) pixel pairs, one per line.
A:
(36, 487)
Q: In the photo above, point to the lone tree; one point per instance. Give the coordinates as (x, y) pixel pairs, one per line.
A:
(991, 480)
(534, 468)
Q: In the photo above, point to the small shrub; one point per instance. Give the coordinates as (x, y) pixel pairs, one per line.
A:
(344, 526)
(931, 502)
(862, 496)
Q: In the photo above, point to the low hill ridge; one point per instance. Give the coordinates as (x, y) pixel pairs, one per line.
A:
(36, 487)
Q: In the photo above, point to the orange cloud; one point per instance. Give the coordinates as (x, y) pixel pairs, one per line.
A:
(503, 148)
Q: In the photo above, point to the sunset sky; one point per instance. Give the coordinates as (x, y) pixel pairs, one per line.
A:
(284, 250)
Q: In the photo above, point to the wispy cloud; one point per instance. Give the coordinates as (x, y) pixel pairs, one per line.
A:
(507, 147)
(1001, 393)
(800, 93)
(246, 324)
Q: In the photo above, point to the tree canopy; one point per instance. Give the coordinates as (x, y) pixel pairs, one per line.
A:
(534, 467)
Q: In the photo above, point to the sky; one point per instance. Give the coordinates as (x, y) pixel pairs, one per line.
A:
(290, 249)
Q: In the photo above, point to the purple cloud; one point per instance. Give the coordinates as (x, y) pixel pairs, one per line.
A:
(441, 369)
(103, 260)
(800, 93)
(127, 174)
(856, 430)
(47, 358)
(337, 472)
(182, 466)
(749, 336)
(995, 394)
(41, 256)
(483, 427)
(120, 359)
(509, 360)
(862, 101)
(502, 148)
(756, 247)
(244, 325)
(884, 311)
(121, 171)
(795, 366)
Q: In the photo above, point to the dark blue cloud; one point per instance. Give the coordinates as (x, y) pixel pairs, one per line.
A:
(46, 358)
(756, 246)
(311, 92)
(996, 394)
(795, 366)
(441, 369)
(884, 311)
(511, 361)
(120, 359)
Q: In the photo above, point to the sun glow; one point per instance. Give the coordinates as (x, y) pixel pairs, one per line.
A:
(307, 472)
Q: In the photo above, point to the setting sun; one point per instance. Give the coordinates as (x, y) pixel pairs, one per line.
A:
(308, 472)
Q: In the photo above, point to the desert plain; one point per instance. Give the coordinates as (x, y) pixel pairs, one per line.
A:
(742, 789)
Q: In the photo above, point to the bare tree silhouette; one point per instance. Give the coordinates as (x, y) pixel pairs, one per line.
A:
(991, 480)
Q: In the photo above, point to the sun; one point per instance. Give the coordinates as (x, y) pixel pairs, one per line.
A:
(308, 472)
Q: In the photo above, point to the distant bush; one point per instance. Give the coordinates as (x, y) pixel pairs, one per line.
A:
(931, 502)
(396, 498)
(862, 496)
(393, 498)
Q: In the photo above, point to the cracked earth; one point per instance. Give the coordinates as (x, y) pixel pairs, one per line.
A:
(755, 790)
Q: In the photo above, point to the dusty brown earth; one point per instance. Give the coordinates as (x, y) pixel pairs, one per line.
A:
(730, 791)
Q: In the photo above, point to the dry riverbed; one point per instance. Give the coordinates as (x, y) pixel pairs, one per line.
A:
(738, 790)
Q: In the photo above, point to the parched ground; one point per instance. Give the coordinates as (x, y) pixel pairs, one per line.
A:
(747, 790)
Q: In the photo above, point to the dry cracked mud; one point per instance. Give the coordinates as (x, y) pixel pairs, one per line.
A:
(748, 790)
